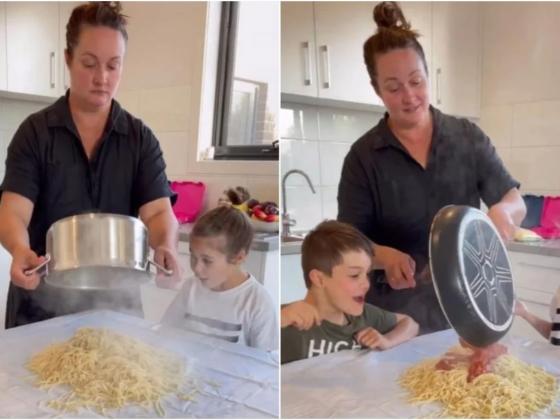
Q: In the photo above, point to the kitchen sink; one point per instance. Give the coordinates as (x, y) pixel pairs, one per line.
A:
(293, 238)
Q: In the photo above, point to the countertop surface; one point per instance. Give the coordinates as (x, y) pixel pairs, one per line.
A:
(263, 241)
(364, 383)
(550, 247)
(234, 380)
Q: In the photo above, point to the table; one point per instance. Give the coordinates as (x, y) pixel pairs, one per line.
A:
(358, 384)
(246, 378)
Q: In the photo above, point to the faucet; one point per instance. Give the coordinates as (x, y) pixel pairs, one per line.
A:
(287, 221)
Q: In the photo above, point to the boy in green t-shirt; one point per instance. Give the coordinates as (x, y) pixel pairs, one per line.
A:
(336, 259)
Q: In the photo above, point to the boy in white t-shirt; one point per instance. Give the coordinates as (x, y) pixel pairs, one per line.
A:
(222, 300)
(548, 329)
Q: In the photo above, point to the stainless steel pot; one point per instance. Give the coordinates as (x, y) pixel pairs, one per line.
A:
(97, 251)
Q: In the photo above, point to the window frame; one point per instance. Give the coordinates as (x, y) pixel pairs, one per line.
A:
(224, 84)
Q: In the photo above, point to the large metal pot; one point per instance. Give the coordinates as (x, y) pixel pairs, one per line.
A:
(97, 251)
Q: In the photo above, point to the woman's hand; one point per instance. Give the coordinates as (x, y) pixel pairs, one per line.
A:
(399, 267)
(24, 259)
(503, 221)
(167, 258)
(301, 315)
(373, 339)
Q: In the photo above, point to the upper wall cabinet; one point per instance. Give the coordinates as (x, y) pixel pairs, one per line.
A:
(64, 12)
(3, 77)
(322, 51)
(32, 47)
(299, 70)
(322, 47)
(456, 66)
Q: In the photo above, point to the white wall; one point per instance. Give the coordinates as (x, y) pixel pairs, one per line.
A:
(163, 83)
(520, 90)
(316, 140)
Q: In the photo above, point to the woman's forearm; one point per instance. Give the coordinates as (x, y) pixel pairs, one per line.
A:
(513, 204)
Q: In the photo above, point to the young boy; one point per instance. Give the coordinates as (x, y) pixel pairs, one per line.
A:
(222, 300)
(336, 260)
(549, 330)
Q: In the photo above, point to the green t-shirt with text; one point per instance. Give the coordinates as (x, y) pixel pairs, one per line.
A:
(330, 338)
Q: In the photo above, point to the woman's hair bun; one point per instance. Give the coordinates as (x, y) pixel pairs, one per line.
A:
(113, 7)
(388, 14)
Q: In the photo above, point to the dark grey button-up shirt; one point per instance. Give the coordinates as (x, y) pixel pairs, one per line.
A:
(392, 199)
(47, 164)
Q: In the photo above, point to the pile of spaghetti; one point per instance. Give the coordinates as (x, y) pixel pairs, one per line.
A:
(511, 388)
(105, 371)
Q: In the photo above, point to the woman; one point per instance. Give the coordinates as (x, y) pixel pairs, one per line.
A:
(416, 160)
(82, 153)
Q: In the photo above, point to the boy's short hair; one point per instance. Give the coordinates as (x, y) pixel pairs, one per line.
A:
(230, 222)
(324, 246)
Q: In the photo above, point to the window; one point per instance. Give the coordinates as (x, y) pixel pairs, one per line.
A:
(247, 88)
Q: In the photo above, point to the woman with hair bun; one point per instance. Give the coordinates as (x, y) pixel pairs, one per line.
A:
(415, 161)
(83, 153)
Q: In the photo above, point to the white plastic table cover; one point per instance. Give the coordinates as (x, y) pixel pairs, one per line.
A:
(363, 384)
(236, 381)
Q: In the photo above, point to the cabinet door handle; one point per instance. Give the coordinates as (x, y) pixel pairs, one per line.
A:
(438, 91)
(307, 81)
(532, 265)
(326, 66)
(53, 70)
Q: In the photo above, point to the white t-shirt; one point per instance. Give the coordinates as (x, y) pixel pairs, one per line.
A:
(244, 314)
(555, 318)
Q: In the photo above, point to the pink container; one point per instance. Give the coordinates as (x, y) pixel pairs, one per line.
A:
(190, 196)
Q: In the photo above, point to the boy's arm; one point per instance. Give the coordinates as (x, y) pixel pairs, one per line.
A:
(405, 329)
(300, 314)
(542, 326)
(397, 329)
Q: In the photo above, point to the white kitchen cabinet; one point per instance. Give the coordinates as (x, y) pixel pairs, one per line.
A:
(292, 283)
(456, 63)
(322, 47)
(536, 279)
(33, 54)
(3, 74)
(299, 73)
(64, 11)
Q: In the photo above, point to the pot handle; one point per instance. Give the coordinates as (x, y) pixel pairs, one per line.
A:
(161, 268)
(35, 269)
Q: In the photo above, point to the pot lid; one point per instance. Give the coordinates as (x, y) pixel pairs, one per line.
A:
(472, 275)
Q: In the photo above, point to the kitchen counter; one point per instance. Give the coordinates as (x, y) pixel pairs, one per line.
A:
(549, 247)
(263, 241)
(289, 248)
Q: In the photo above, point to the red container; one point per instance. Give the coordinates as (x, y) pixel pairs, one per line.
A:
(190, 197)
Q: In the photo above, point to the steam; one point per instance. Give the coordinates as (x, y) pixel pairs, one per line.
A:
(63, 301)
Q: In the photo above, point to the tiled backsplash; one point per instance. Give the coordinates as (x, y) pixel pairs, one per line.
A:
(520, 94)
(316, 140)
(12, 114)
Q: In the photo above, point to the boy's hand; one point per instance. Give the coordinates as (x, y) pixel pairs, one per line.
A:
(301, 315)
(373, 339)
